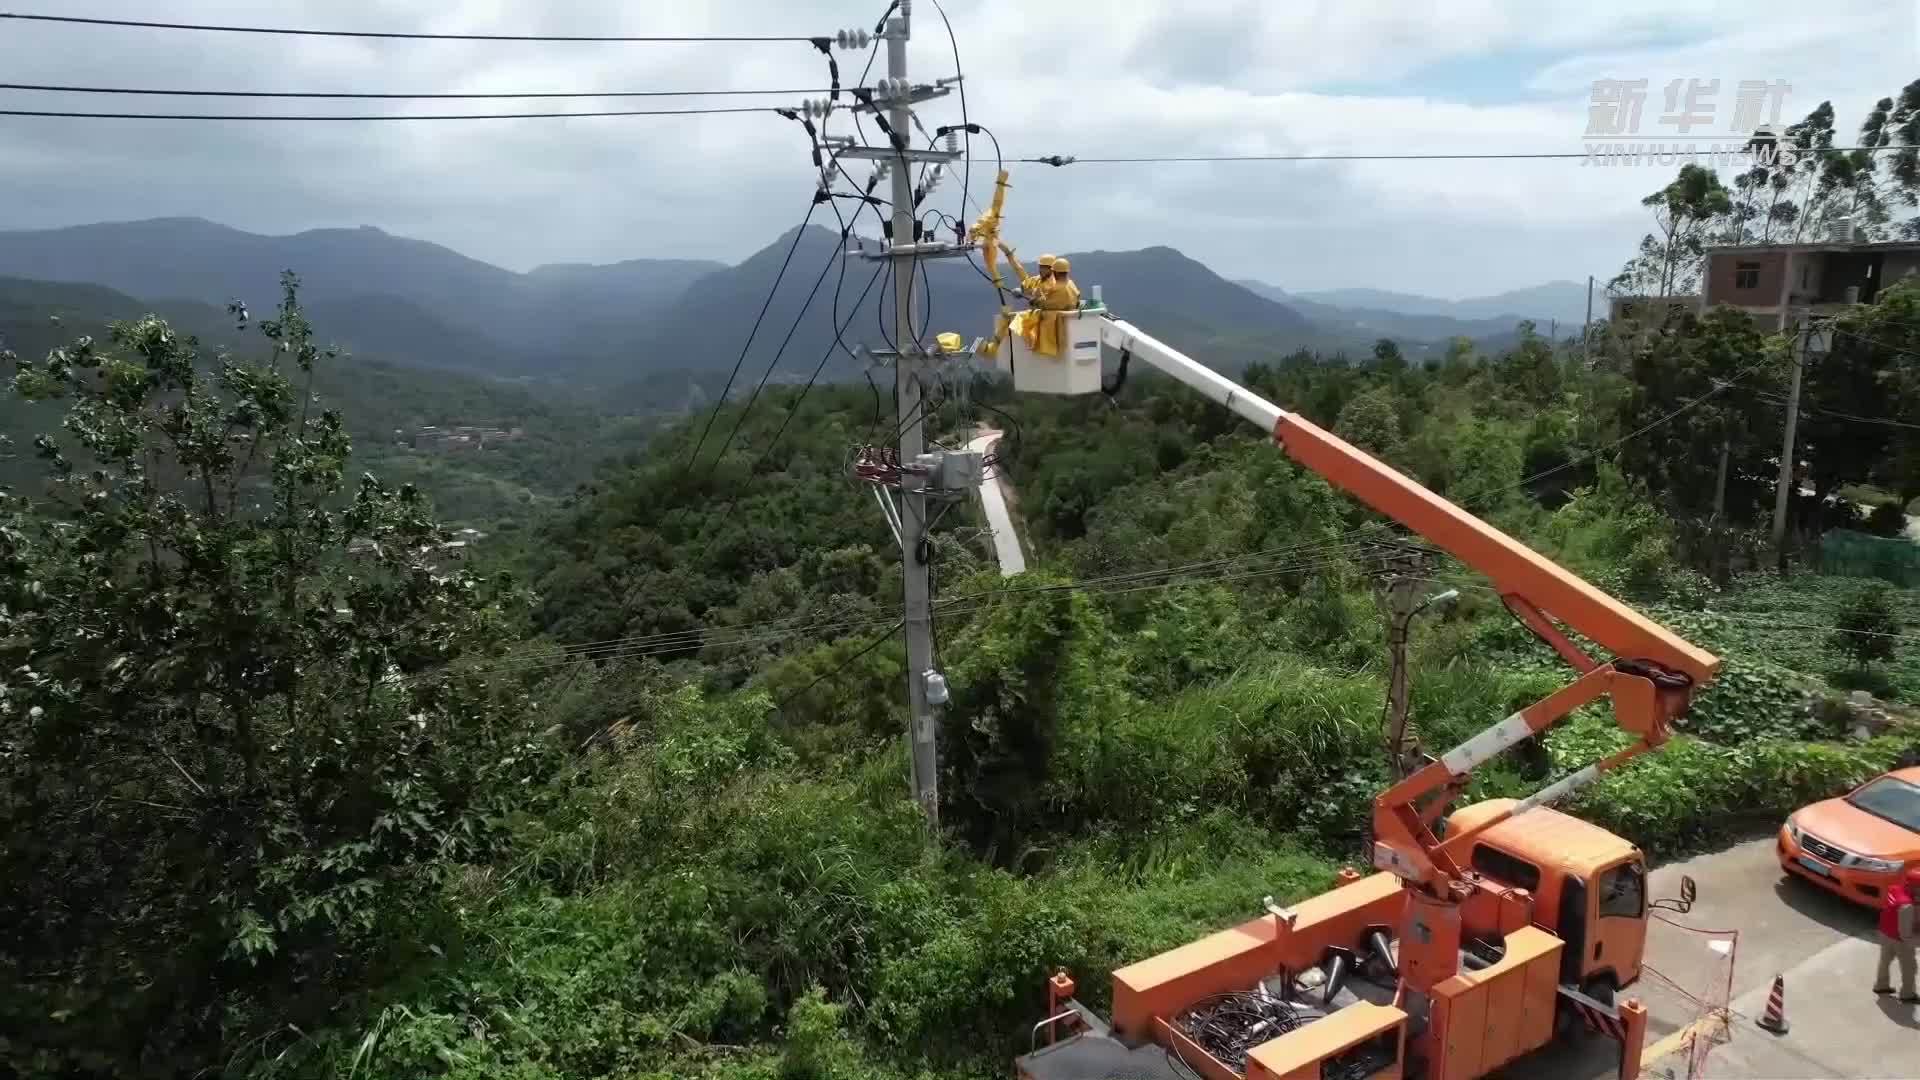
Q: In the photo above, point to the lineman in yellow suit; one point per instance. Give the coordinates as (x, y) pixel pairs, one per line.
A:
(1063, 284)
(1051, 293)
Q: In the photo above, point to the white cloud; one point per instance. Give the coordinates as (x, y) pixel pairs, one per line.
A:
(1127, 79)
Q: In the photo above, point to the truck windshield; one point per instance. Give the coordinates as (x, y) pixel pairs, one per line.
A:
(1623, 891)
(1894, 800)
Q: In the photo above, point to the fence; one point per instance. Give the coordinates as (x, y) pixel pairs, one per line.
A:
(1697, 992)
(1857, 554)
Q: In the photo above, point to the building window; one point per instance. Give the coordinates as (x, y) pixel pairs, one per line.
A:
(1746, 275)
(1505, 868)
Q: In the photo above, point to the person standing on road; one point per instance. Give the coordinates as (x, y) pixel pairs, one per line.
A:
(1899, 934)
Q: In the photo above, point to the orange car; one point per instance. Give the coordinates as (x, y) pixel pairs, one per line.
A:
(1859, 844)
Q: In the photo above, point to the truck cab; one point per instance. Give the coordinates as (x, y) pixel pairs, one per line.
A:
(1589, 887)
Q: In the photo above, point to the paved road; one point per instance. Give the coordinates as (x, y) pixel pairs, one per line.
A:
(1006, 543)
(1822, 945)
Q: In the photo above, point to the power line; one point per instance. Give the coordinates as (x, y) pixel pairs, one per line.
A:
(384, 116)
(721, 401)
(1819, 413)
(1298, 559)
(839, 256)
(840, 667)
(1865, 340)
(370, 96)
(398, 35)
(1060, 160)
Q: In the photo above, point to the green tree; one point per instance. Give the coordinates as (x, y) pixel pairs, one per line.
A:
(1866, 628)
(1866, 376)
(1371, 421)
(1812, 141)
(228, 745)
(1712, 471)
(1387, 356)
(1684, 213)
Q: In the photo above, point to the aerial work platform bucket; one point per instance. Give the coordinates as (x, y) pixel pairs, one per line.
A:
(1075, 372)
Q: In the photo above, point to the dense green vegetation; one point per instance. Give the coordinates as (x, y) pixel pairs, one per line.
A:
(289, 793)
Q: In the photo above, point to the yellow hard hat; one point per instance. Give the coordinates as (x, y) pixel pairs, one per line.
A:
(949, 342)
(1047, 261)
(1061, 265)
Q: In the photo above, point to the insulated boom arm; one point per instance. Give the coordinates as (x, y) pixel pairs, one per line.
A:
(1650, 682)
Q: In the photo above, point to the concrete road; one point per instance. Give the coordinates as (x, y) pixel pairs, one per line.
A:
(1821, 944)
(1006, 543)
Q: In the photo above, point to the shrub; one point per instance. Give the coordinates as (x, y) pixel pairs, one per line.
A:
(1871, 679)
(1691, 793)
(1866, 627)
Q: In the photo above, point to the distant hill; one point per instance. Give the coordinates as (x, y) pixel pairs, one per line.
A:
(1360, 327)
(562, 437)
(659, 329)
(376, 396)
(1179, 298)
(1564, 301)
(407, 299)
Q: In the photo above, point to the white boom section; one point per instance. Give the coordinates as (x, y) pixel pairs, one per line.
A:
(1121, 334)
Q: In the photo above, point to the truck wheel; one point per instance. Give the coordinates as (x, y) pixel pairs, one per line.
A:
(1567, 1024)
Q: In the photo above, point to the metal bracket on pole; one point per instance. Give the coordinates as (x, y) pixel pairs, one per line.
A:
(892, 514)
(914, 96)
(935, 249)
(885, 153)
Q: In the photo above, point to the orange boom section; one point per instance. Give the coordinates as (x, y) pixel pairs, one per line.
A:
(1514, 568)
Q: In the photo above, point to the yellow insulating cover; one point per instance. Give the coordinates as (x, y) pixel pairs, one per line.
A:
(949, 342)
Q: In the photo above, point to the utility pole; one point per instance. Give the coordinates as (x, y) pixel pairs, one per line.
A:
(1586, 332)
(1400, 589)
(918, 624)
(926, 688)
(1787, 481)
(1402, 569)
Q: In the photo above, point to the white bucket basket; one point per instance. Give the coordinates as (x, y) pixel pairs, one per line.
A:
(1078, 372)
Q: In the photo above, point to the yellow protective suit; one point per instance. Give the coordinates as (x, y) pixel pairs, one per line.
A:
(1066, 292)
(1042, 326)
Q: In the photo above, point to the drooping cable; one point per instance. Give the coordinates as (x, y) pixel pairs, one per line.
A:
(753, 331)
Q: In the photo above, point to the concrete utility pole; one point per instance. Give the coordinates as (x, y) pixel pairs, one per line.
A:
(1787, 481)
(918, 625)
(926, 689)
(1403, 571)
(1586, 332)
(1400, 606)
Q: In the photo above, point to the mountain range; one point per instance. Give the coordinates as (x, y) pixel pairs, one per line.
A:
(630, 323)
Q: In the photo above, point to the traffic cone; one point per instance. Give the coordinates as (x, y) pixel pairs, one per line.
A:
(1775, 1018)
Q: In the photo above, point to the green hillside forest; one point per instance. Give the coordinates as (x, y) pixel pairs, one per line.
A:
(293, 789)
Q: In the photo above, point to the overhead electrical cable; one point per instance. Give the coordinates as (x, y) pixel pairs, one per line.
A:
(398, 35)
(362, 95)
(753, 331)
(838, 668)
(337, 117)
(1061, 160)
